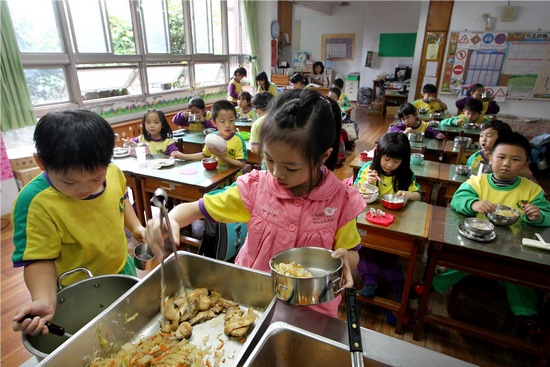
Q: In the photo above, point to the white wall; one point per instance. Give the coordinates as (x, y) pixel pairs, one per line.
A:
(367, 19)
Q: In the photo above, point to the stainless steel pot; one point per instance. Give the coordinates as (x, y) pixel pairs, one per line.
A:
(462, 141)
(323, 286)
(78, 304)
(416, 137)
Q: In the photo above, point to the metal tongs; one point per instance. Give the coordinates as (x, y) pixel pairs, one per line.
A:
(354, 328)
(159, 198)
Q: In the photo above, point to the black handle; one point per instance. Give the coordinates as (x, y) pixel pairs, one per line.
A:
(53, 328)
(354, 328)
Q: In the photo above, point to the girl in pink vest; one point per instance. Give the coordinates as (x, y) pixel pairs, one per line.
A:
(296, 202)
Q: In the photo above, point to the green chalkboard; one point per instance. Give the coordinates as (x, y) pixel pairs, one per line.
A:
(396, 44)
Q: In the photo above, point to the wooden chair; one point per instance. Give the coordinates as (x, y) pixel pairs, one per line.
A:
(463, 155)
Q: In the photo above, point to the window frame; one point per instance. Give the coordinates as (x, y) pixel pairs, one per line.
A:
(69, 59)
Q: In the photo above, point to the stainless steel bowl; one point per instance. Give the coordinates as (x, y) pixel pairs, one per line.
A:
(324, 284)
(433, 123)
(478, 227)
(462, 141)
(416, 137)
(463, 169)
(469, 126)
(209, 130)
(503, 216)
(423, 111)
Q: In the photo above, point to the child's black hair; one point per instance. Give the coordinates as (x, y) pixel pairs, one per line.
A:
(74, 139)
(316, 63)
(338, 83)
(500, 127)
(304, 119)
(336, 91)
(475, 87)
(241, 71)
(166, 130)
(406, 109)
(263, 77)
(474, 105)
(299, 78)
(395, 145)
(246, 96)
(429, 88)
(261, 100)
(222, 105)
(516, 139)
(197, 102)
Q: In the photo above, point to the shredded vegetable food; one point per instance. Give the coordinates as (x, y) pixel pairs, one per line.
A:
(506, 213)
(292, 269)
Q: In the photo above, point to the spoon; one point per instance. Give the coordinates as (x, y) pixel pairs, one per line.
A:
(381, 181)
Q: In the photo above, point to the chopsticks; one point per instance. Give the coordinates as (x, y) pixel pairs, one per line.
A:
(542, 240)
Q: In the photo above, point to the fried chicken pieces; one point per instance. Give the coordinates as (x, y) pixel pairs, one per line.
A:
(200, 305)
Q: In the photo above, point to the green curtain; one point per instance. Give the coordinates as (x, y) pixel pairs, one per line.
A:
(251, 29)
(17, 109)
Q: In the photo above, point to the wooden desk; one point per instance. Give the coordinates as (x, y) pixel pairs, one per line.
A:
(244, 126)
(375, 85)
(396, 97)
(450, 153)
(450, 182)
(503, 259)
(176, 180)
(403, 237)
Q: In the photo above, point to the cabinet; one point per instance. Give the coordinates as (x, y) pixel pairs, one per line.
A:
(127, 130)
(285, 10)
(351, 86)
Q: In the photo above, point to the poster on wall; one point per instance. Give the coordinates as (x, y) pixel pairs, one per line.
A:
(509, 64)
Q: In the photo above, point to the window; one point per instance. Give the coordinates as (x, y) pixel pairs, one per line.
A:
(124, 48)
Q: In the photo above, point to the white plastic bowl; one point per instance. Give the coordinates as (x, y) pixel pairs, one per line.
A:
(214, 140)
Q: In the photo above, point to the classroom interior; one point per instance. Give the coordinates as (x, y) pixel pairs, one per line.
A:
(304, 23)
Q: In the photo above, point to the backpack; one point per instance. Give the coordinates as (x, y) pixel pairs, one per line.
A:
(222, 241)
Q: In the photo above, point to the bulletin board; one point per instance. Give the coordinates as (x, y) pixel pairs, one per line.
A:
(396, 44)
(338, 46)
(511, 65)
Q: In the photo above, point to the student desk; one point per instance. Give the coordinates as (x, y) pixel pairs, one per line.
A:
(433, 148)
(503, 259)
(450, 181)
(403, 237)
(185, 180)
(244, 125)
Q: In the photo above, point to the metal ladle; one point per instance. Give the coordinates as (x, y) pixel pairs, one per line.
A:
(159, 198)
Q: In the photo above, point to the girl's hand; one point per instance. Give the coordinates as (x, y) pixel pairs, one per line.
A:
(532, 212)
(139, 233)
(126, 143)
(200, 118)
(36, 326)
(177, 155)
(372, 176)
(440, 136)
(408, 130)
(347, 280)
(154, 236)
(483, 206)
(404, 194)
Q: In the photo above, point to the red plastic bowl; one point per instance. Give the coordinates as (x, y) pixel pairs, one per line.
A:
(393, 201)
(209, 165)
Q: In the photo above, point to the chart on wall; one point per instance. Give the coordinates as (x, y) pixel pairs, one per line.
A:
(511, 65)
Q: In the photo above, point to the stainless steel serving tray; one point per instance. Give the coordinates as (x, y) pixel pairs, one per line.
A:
(137, 312)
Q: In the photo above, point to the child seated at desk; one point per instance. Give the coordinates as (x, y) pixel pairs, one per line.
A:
(223, 118)
(490, 132)
(410, 123)
(390, 167)
(476, 92)
(157, 133)
(479, 196)
(244, 108)
(198, 109)
(429, 100)
(471, 115)
(343, 101)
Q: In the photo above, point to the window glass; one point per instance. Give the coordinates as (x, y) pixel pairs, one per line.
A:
(209, 74)
(46, 85)
(166, 77)
(36, 30)
(236, 33)
(207, 26)
(155, 26)
(89, 26)
(120, 23)
(108, 81)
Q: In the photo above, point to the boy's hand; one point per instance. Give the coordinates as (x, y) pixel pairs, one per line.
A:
(483, 206)
(408, 130)
(532, 212)
(218, 153)
(37, 325)
(440, 136)
(139, 233)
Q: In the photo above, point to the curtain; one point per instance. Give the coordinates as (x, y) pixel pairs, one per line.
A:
(17, 108)
(251, 29)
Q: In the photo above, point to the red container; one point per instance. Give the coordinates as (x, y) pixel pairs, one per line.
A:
(209, 165)
(393, 201)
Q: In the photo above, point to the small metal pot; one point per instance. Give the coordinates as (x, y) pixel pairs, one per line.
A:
(462, 141)
(323, 286)
(416, 137)
(144, 258)
(77, 305)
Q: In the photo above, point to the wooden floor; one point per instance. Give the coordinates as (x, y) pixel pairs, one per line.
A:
(14, 292)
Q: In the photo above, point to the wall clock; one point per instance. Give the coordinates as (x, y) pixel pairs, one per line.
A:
(275, 29)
